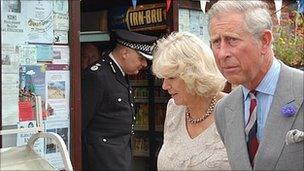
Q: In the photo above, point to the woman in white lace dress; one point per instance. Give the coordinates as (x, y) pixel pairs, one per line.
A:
(190, 76)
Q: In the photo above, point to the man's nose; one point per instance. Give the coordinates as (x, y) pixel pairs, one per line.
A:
(223, 51)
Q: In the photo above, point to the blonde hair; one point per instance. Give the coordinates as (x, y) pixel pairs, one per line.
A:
(184, 55)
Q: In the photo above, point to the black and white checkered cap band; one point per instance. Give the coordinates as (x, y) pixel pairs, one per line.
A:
(144, 48)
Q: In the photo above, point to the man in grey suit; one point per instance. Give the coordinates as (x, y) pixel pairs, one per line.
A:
(260, 121)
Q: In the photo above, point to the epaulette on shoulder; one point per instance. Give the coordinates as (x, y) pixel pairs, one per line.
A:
(97, 66)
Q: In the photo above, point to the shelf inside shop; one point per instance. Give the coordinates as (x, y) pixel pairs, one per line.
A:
(141, 127)
(94, 36)
(141, 153)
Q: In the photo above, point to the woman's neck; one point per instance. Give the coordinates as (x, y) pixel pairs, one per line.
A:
(198, 106)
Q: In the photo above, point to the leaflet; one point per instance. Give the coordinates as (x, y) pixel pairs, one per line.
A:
(61, 54)
(58, 90)
(52, 153)
(22, 138)
(13, 23)
(39, 20)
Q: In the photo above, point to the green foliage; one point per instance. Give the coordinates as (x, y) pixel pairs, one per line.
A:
(288, 44)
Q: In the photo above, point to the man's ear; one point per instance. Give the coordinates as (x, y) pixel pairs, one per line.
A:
(124, 53)
(266, 41)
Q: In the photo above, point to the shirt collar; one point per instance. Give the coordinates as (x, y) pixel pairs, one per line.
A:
(269, 82)
(112, 57)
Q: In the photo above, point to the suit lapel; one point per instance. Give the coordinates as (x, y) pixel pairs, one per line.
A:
(236, 135)
(277, 125)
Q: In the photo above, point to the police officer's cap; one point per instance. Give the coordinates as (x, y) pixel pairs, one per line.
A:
(144, 44)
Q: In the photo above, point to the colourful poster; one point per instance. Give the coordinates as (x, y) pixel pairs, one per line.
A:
(57, 87)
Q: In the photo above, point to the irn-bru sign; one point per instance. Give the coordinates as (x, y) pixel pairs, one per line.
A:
(143, 17)
(146, 17)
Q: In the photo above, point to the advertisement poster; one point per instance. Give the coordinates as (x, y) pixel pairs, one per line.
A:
(9, 58)
(39, 20)
(194, 21)
(61, 15)
(32, 81)
(58, 90)
(143, 17)
(183, 18)
(60, 21)
(44, 53)
(52, 153)
(61, 54)
(13, 23)
(61, 37)
(22, 138)
(28, 54)
(10, 91)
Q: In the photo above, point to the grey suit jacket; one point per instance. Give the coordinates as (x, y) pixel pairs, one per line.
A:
(273, 153)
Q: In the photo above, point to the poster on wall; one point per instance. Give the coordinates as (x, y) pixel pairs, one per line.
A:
(183, 18)
(195, 22)
(28, 54)
(13, 23)
(61, 54)
(9, 83)
(61, 15)
(9, 58)
(57, 84)
(60, 21)
(22, 138)
(39, 20)
(44, 53)
(52, 153)
(32, 81)
(61, 37)
(10, 91)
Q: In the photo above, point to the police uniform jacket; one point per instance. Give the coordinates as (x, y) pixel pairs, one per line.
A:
(107, 117)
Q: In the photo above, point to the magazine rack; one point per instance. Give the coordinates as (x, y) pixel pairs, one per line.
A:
(24, 157)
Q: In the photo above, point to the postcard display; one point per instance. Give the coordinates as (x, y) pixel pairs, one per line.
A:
(35, 59)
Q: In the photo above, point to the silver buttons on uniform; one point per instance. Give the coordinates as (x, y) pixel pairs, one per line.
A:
(104, 140)
(132, 105)
(119, 99)
(130, 91)
(132, 130)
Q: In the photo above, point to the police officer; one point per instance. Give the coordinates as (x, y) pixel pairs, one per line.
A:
(107, 111)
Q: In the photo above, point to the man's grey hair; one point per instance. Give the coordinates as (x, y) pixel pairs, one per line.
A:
(256, 14)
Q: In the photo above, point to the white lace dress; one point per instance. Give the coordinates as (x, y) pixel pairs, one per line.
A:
(180, 152)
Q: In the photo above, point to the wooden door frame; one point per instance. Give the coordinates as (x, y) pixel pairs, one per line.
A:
(75, 82)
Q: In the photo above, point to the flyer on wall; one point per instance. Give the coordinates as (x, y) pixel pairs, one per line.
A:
(52, 152)
(22, 138)
(61, 54)
(28, 54)
(39, 20)
(61, 15)
(58, 90)
(13, 23)
(10, 91)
